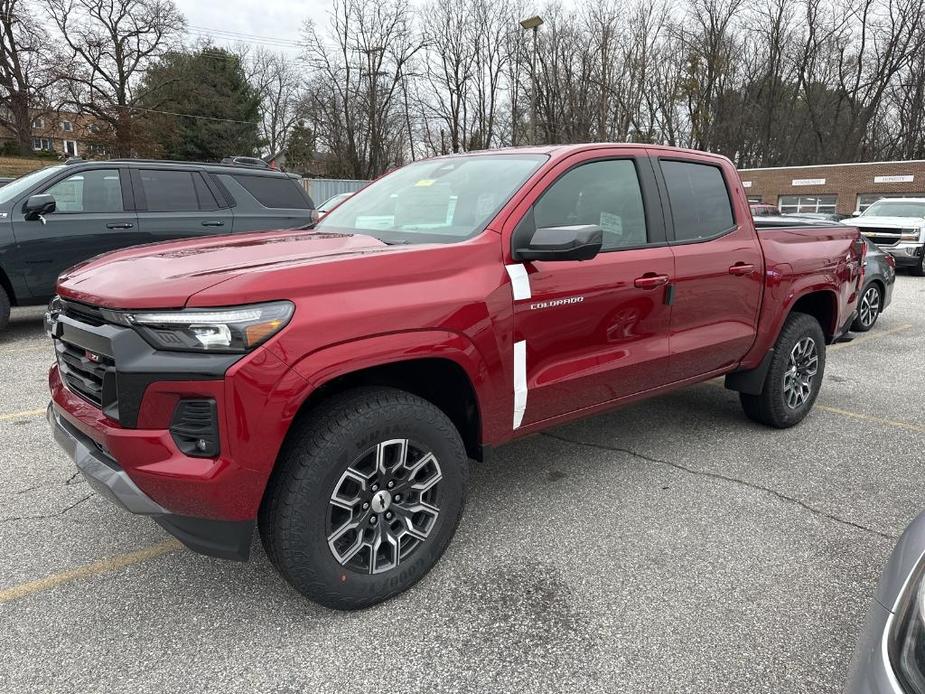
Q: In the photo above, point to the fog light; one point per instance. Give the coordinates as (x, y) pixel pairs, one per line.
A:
(194, 428)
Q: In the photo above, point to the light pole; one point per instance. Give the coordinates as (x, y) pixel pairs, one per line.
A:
(532, 24)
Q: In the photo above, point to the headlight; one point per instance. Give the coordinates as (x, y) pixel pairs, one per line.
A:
(237, 329)
(907, 651)
(909, 234)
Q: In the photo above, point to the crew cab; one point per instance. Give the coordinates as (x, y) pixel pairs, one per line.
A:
(331, 385)
(55, 217)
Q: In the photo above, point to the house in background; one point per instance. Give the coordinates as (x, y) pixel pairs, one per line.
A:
(66, 133)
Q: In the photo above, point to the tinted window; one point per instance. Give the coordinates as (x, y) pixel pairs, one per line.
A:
(169, 191)
(605, 193)
(271, 191)
(700, 204)
(89, 191)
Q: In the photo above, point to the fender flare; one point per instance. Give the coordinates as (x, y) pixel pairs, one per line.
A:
(334, 361)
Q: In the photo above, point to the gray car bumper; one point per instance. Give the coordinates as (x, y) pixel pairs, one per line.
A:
(102, 473)
(871, 671)
(905, 254)
(217, 538)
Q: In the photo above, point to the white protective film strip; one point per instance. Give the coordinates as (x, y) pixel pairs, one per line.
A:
(520, 281)
(520, 381)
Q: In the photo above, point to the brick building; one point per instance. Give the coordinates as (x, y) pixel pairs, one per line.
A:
(68, 134)
(841, 188)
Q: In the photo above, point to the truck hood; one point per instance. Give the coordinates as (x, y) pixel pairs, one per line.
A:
(889, 222)
(166, 275)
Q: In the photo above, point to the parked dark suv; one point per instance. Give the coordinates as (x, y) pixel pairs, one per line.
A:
(61, 215)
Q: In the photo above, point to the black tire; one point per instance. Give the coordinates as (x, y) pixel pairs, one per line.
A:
(919, 268)
(4, 309)
(873, 296)
(772, 407)
(297, 514)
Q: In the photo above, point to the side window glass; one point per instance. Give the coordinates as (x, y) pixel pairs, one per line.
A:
(169, 191)
(700, 204)
(99, 190)
(605, 193)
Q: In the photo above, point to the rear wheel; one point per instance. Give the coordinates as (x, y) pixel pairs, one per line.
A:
(868, 309)
(368, 494)
(794, 377)
(4, 309)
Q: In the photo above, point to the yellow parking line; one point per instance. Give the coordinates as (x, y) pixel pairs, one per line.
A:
(879, 420)
(870, 336)
(18, 415)
(96, 568)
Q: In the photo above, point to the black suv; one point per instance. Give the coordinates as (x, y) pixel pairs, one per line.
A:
(61, 215)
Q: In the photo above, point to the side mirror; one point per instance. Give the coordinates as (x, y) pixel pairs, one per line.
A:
(579, 242)
(856, 213)
(37, 206)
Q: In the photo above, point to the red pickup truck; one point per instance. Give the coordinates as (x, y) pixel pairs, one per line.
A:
(331, 384)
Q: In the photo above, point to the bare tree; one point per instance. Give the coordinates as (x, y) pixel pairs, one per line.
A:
(279, 82)
(357, 85)
(110, 44)
(25, 69)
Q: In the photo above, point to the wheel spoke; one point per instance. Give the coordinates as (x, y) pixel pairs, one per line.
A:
(394, 483)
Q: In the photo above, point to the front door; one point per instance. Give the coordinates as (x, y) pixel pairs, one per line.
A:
(92, 216)
(719, 269)
(593, 331)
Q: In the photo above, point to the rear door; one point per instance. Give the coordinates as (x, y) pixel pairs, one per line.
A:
(592, 331)
(267, 201)
(178, 203)
(93, 215)
(719, 266)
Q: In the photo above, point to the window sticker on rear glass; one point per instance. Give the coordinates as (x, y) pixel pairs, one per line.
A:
(612, 223)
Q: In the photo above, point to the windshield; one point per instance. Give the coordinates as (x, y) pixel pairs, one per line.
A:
(891, 208)
(436, 201)
(23, 183)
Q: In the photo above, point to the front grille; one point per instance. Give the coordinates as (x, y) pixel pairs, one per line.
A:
(84, 313)
(87, 374)
(882, 236)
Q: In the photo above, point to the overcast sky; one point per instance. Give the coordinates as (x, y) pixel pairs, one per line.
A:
(265, 22)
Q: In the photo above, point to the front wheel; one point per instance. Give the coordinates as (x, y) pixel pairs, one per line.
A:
(794, 377)
(868, 309)
(368, 494)
(919, 268)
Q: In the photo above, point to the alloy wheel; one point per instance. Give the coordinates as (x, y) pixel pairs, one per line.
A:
(870, 307)
(798, 378)
(384, 506)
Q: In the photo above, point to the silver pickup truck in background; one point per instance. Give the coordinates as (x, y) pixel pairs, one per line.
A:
(897, 225)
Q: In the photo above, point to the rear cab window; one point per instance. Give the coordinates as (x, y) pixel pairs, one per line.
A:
(701, 208)
(275, 191)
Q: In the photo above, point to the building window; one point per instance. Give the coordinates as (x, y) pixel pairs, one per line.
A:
(754, 198)
(70, 148)
(93, 128)
(38, 123)
(797, 204)
(865, 200)
(67, 126)
(42, 144)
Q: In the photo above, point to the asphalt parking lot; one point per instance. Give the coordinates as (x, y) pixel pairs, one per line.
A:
(672, 546)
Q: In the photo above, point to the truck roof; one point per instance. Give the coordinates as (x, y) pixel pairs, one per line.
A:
(559, 151)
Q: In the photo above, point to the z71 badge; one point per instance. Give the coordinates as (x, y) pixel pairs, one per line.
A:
(557, 302)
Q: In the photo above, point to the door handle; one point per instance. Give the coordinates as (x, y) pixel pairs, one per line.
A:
(124, 225)
(741, 269)
(651, 281)
(213, 223)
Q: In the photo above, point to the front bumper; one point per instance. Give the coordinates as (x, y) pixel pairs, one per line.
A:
(905, 254)
(225, 539)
